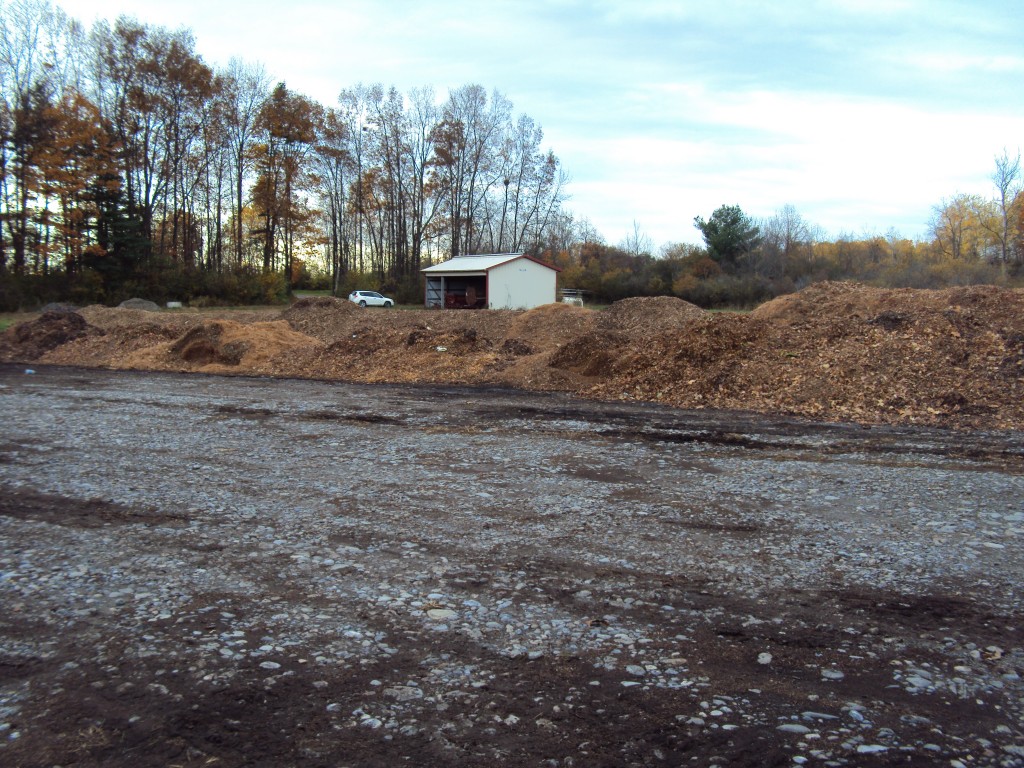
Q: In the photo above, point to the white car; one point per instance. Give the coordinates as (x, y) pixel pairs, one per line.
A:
(370, 299)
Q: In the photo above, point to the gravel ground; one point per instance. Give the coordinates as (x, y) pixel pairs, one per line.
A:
(200, 570)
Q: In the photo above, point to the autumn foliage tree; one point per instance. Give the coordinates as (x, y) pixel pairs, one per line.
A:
(287, 128)
(81, 172)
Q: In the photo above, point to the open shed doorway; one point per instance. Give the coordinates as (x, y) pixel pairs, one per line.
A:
(461, 292)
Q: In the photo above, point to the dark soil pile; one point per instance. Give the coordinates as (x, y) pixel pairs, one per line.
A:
(52, 329)
(835, 351)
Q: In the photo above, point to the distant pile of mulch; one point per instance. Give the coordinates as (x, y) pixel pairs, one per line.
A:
(116, 318)
(835, 351)
(143, 304)
(649, 314)
(550, 325)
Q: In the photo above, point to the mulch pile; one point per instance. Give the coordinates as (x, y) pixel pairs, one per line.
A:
(835, 351)
(845, 352)
(639, 316)
(53, 329)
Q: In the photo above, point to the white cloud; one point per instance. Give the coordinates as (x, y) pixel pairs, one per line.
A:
(952, 62)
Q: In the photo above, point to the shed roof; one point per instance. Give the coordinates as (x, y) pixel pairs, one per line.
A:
(480, 263)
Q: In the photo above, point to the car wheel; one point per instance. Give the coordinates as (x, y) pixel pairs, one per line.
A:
(388, 305)
(362, 303)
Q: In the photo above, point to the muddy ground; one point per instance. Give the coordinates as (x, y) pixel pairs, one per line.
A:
(207, 570)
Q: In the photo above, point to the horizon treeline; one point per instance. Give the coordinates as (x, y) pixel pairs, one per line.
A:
(746, 261)
(130, 167)
(128, 163)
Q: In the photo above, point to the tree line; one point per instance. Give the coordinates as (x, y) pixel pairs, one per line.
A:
(745, 261)
(127, 164)
(129, 167)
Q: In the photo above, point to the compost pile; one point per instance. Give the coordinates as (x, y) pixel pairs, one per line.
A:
(835, 351)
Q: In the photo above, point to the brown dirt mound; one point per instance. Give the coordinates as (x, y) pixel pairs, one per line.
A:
(491, 326)
(851, 302)
(105, 350)
(848, 353)
(649, 314)
(113, 318)
(834, 351)
(203, 345)
(322, 317)
(224, 346)
(49, 331)
(550, 325)
(698, 366)
(592, 354)
(807, 305)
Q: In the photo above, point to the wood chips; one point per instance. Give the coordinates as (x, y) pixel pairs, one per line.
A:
(835, 351)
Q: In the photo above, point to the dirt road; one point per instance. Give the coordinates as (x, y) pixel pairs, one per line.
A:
(201, 570)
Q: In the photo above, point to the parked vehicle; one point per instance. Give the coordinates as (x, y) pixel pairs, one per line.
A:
(370, 299)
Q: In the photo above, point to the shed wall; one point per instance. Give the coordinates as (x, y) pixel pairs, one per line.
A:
(520, 284)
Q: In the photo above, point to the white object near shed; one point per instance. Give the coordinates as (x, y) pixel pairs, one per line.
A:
(492, 281)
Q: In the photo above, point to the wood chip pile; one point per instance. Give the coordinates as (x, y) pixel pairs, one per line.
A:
(835, 351)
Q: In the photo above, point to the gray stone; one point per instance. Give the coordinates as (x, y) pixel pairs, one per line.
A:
(440, 614)
(793, 728)
(146, 304)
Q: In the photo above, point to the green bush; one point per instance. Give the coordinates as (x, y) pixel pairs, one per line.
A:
(919, 274)
(731, 290)
(86, 287)
(411, 290)
(274, 288)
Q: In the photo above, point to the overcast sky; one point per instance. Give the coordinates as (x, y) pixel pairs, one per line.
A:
(863, 114)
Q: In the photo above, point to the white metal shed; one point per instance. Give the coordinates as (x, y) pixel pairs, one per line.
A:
(493, 280)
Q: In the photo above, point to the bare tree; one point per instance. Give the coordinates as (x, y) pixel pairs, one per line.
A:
(529, 186)
(30, 48)
(425, 194)
(786, 238)
(246, 87)
(333, 167)
(1007, 180)
(354, 114)
(467, 140)
(637, 243)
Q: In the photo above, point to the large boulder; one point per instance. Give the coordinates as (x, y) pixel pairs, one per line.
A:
(146, 304)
